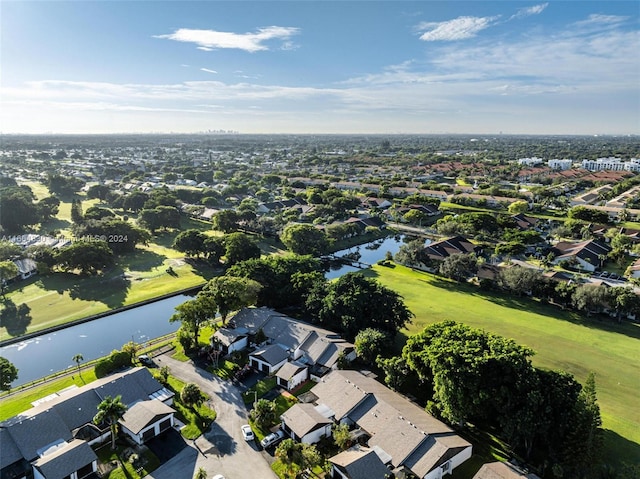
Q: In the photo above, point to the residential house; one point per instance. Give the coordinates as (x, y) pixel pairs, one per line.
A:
(230, 340)
(147, 419)
(26, 267)
(305, 423)
(586, 255)
(53, 439)
(404, 437)
(634, 269)
(525, 222)
(292, 374)
(502, 470)
(358, 463)
(288, 340)
(440, 250)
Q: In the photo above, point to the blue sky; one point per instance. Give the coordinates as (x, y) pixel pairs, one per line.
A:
(552, 67)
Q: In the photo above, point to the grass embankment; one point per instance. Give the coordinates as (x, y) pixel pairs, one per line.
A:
(562, 340)
(60, 297)
(21, 401)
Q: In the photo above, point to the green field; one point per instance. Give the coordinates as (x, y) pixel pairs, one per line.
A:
(62, 297)
(561, 340)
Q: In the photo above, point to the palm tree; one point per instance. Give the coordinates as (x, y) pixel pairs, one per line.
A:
(201, 473)
(110, 410)
(191, 396)
(77, 358)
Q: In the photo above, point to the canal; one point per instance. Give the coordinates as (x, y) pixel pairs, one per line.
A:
(53, 352)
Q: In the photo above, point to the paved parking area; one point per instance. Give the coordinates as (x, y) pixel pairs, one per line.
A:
(222, 450)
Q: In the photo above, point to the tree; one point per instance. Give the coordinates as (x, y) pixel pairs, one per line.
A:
(78, 358)
(8, 271)
(201, 473)
(76, 211)
(121, 236)
(474, 372)
(282, 278)
(354, 302)
(518, 207)
(97, 213)
(18, 207)
(624, 301)
(214, 248)
(193, 313)
(98, 191)
(342, 436)
(9, 250)
(370, 343)
(160, 217)
(519, 280)
(110, 411)
(231, 293)
(263, 413)
(413, 253)
(240, 247)
(225, 221)
(8, 374)
(415, 217)
(190, 242)
(459, 266)
(590, 298)
(48, 207)
(135, 201)
(87, 256)
(304, 239)
(191, 395)
(396, 371)
(288, 453)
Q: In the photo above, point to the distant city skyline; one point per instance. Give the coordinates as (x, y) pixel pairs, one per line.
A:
(352, 67)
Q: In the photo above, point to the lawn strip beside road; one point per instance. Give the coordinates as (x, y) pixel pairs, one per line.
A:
(561, 340)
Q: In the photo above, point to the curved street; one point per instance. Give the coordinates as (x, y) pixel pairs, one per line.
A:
(222, 450)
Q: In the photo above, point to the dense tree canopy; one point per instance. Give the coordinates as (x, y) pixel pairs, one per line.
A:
(279, 277)
(190, 242)
(8, 374)
(459, 266)
(193, 314)
(225, 221)
(231, 293)
(240, 247)
(86, 256)
(304, 239)
(488, 380)
(353, 303)
(120, 235)
(18, 207)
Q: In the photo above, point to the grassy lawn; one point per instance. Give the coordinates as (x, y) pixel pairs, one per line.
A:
(562, 340)
(262, 387)
(126, 470)
(63, 297)
(197, 420)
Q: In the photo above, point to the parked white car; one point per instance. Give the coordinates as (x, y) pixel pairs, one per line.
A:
(247, 433)
(272, 438)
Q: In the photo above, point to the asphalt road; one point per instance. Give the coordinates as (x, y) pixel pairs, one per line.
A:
(222, 450)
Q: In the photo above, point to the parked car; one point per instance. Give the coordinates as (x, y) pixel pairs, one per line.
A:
(146, 360)
(272, 439)
(247, 433)
(218, 476)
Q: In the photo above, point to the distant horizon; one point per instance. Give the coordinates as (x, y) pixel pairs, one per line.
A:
(135, 133)
(316, 67)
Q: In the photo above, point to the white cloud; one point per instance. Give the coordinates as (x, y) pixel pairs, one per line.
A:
(207, 70)
(597, 19)
(208, 40)
(457, 29)
(528, 11)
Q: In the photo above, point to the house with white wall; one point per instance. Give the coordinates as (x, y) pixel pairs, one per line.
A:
(404, 436)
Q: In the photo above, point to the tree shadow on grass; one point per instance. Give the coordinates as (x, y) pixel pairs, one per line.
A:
(204, 268)
(110, 288)
(140, 260)
(15, 318)
(618, 450)
(53, 225)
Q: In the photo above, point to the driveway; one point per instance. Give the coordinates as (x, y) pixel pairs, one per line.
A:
(221, 450)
